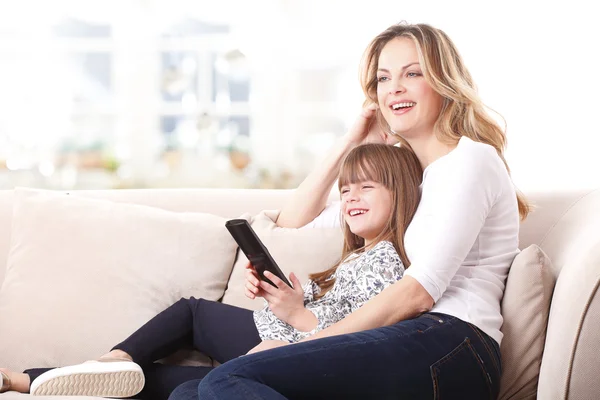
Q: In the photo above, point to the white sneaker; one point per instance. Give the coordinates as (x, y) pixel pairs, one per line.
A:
(100, 378)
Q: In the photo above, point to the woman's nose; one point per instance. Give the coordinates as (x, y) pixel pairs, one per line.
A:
(396, 87)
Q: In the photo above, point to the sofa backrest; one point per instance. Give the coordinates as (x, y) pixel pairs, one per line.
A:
(230, 203)
(550, 207)
(570, 365)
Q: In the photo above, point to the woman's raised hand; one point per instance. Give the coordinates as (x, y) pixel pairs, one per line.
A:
(366, 129)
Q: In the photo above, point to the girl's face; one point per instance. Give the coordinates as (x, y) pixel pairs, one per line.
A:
(367, 208)
(409, 105)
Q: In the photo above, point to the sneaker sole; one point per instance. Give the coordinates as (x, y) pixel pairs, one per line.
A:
(116, 384)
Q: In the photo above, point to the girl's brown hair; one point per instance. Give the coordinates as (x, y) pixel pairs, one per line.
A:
(399, 171)
(463, 113)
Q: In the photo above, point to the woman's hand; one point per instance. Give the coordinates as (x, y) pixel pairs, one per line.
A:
(366, 129)
(267, 345)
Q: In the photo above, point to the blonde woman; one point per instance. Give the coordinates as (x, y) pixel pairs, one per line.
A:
(379, 188)
(436, 332)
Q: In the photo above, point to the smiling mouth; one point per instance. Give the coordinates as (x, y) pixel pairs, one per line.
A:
(404, 105)
(354, 213)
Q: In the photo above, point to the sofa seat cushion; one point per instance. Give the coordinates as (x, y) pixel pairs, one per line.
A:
(83, 274)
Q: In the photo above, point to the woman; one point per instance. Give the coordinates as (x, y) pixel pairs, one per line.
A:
(436, 332)
(379, 202)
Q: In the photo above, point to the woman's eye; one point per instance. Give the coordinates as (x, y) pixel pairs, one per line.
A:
(382, 79)
(413, 74)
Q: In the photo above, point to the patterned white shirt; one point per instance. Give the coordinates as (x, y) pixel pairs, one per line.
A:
(357, 280)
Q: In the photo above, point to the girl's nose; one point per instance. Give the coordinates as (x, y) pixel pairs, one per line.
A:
(352, 196)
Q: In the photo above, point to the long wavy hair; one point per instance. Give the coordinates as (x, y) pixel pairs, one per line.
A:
(399, 171)
(463, 113)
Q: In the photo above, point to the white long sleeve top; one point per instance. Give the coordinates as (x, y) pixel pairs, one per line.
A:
(464, 235)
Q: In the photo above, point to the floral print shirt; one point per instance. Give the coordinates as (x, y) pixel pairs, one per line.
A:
(357, 280)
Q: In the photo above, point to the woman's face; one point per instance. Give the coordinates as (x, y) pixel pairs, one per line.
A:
(409, 105)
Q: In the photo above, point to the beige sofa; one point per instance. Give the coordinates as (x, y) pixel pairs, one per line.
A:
(566, 225)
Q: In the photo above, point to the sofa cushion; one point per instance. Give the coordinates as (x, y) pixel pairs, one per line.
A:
(82, 274)
(302, 251)
(525, 308)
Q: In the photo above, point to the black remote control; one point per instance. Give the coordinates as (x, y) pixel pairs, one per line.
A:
(255, 250)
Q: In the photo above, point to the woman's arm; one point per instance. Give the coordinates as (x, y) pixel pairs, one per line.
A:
(310, 198)
(403, 300)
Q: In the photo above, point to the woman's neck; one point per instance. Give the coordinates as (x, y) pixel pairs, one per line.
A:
(429, 148)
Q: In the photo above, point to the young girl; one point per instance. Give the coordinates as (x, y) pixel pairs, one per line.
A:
(379, 187)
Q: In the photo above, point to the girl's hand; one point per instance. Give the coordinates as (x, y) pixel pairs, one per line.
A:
(267, 345)
(286, 303)
(252, 287)
(366, 129)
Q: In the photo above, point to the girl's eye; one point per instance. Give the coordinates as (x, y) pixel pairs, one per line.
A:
(344, 191)
(367, 187)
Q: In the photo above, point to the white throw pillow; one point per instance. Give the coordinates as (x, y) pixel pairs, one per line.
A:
(83, 274)
(302, 251)
(525, 308)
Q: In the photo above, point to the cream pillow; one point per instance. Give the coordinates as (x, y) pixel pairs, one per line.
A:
(302, 251)
(83, 274)
(525, 308)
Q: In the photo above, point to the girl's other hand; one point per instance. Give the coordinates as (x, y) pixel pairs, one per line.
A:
(252, 287)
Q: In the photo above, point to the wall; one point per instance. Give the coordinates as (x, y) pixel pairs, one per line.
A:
(536, 63)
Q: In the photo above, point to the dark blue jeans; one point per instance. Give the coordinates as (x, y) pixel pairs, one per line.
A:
(434, 356)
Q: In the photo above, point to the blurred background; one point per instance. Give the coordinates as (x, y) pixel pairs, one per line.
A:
(252, 93)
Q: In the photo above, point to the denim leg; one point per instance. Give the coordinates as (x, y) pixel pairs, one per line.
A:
(432, 356)
(218, 330)
(162, 380)
(186, 391)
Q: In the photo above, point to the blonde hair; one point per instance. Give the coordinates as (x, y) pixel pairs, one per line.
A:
(463, 113)
(399, 171)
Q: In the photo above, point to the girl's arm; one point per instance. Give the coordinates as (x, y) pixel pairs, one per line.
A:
(310, 198)
(286, 303)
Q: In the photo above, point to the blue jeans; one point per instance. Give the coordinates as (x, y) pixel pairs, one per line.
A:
(434, 356)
